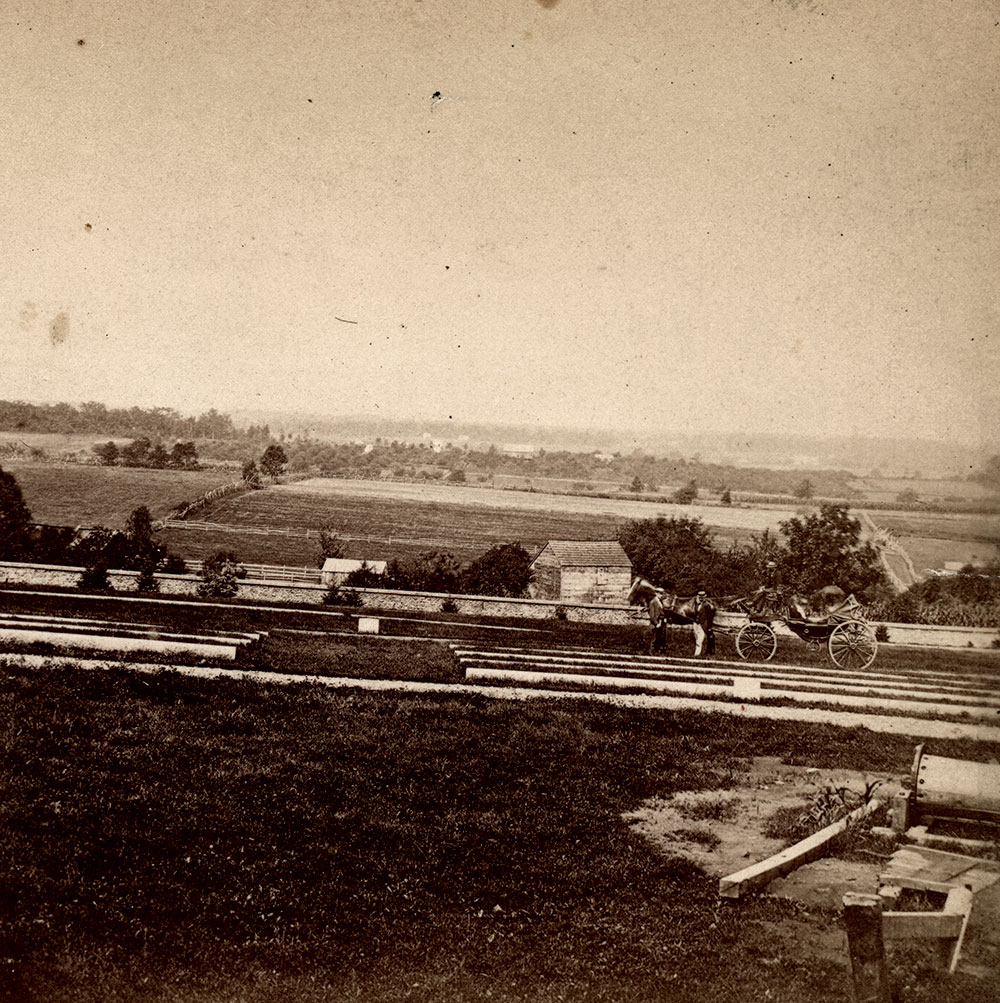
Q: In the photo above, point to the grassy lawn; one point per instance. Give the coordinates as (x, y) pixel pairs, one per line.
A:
(176, 839)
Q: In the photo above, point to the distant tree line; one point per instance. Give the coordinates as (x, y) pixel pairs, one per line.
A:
(93, 418)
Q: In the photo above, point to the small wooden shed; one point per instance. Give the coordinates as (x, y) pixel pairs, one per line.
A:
(336, 569)
(589, 571)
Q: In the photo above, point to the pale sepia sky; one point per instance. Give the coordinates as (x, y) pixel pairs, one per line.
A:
(720, 215)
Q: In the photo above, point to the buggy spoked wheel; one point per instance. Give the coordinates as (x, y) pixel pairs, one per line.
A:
(852, 645)
(756, 642)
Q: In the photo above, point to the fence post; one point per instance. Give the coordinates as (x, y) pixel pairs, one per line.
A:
(863, 920)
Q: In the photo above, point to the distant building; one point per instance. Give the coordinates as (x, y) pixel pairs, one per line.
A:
(519, 449)
(336, 569)
(589, 571)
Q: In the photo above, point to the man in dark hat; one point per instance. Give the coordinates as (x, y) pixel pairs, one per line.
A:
(704, 620)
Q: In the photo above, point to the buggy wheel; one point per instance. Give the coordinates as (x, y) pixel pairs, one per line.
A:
(852, 645)
(756, 642)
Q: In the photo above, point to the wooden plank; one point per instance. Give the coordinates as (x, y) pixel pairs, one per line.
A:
(921, 925)
(863, 919)
(917, 884)
(732, 886)
(959, 901)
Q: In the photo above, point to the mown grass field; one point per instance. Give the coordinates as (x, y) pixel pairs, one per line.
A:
(168, 839)
(69, 494)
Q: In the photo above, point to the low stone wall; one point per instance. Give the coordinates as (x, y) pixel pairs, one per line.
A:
(389, 600)
(943, 637)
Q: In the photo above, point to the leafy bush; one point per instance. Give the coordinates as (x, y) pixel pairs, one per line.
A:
(337, 596)
(882, 634)
(560, 613)
(220, 576)
(146, 581)
(449, 606)
(94, 578)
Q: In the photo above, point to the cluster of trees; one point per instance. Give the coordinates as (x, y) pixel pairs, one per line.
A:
(143, 452)
(824, 548)
(503, 570)
(272, 464)
(94, 418)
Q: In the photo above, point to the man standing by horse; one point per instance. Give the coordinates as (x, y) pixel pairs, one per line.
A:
(700, 610)
(656, 610)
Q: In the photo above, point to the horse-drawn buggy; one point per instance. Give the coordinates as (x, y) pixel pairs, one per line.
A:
(832, 619)
(835, 620)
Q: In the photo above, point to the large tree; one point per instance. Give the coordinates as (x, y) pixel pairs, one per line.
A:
(273, 461)
(15, 520)
(676, 554)
(825, 548)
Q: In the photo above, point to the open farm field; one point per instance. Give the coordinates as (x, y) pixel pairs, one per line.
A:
(932, 538)
(927, 553)
(298, 551)
(736, 518)
(887, 489)
(69, 494)
(54, 444)
(383, 524)
(171, 839)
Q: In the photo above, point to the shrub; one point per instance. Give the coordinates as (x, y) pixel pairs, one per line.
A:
(449, 606)
(146, 580)
(560, 613)
(882, 634)
(337, 596)
(220, 576)
(95, 578)
(173, 564)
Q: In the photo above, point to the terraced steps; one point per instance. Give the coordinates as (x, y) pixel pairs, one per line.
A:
(105, 635)
(915, 691)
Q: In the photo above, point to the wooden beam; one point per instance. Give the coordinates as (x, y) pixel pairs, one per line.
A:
(732, 886)
(960, 901)
(917, 884)
(920, 925)
(863, 921)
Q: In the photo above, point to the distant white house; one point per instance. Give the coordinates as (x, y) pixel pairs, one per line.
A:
(336, 569)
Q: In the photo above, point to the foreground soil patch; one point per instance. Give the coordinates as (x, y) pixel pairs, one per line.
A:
(724, 831)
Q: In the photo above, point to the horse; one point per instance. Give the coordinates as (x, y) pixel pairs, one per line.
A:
(663, 607)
